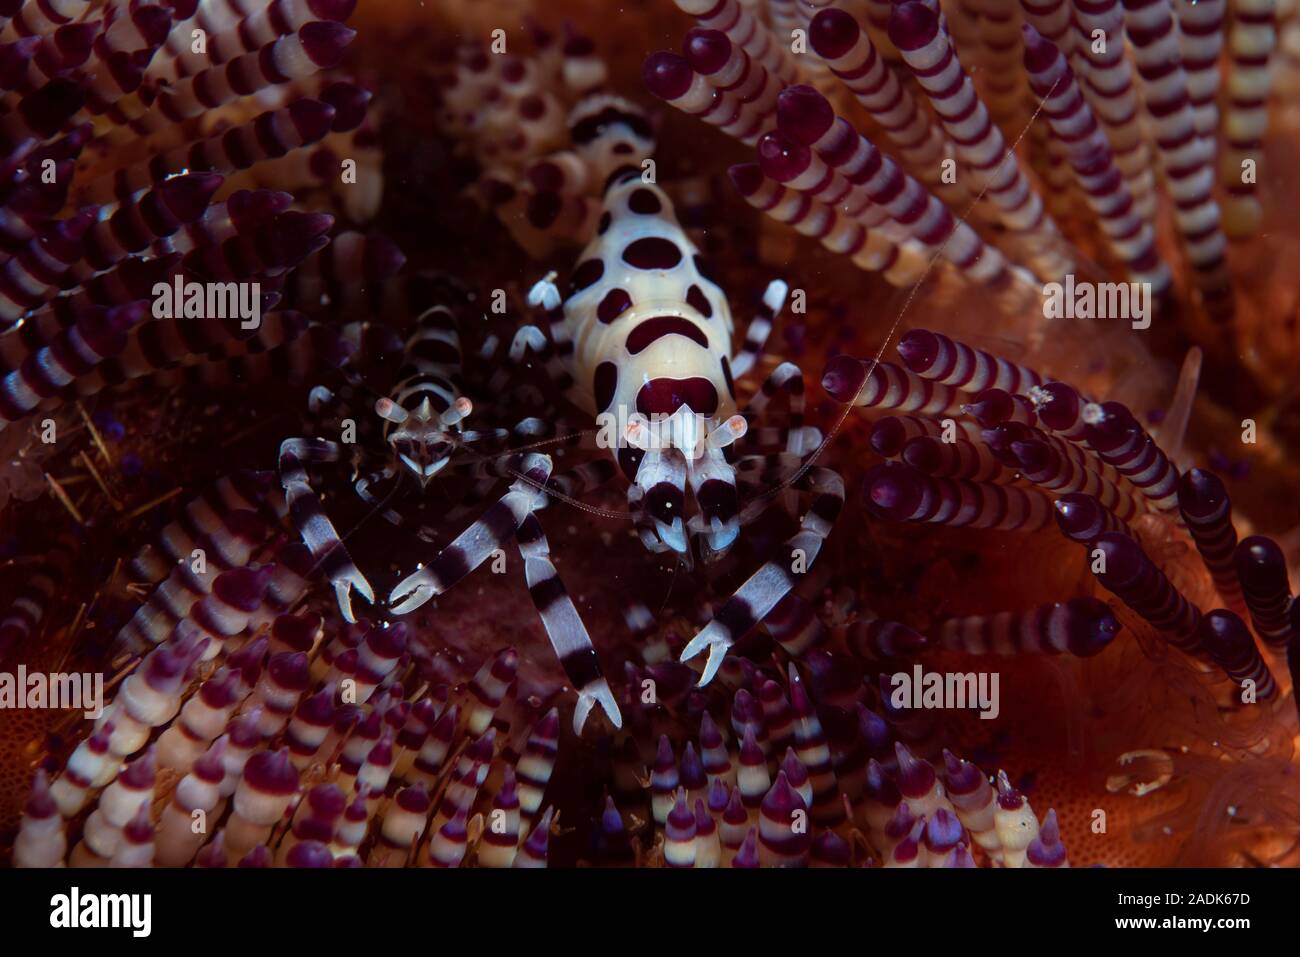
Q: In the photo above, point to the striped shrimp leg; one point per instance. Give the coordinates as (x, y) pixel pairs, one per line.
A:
(1185, 158)
(902, 264)
(1108, 87)
(564, 626)
(1231, 645)
(1245, 119)
(899, 493)
(310, 521)
(1081, 627)
(1200, 25)
(1126, 571)
(927, 48)
(1207, 510)
(1131, 238)
(1261, 569)
(746, 31)
(476, 544)
(776, 578)
(836, 37)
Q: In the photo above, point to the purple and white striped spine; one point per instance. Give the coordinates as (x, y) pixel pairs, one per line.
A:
(746, 91)
(934, 356)
(1265, 584)
(1060, 409)
(1083, 519)
(958, 459)
(231, 32)
(1185, 158)
(1004, 86)
(927, 49)
(39, 17)
(849, 52)
(1107, 81)
(1131, 237)
(747, 32)
(902, 264)
(1081, 627)
(318, 46)
(996, 406)
(1200, 24)
(1207, 510)
(672, 78)
(75, 352)
(1245, 120)
(1230, 644)
(1051, 467)
(847, 163)
(898, 493)
(892, 433)
(1129, 574)
(269, 136)
(883, 385)
(1120, 441)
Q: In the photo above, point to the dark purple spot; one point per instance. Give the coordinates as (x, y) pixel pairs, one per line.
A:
(614, 304)
(651, 330)
(629, 460)
(696, 299)
(542, 209)
(652, 252)
(605, 380)
(513, 71)
(644, 202)
(532, 107)
(727, 377)
(664, 396)
(586, 274)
